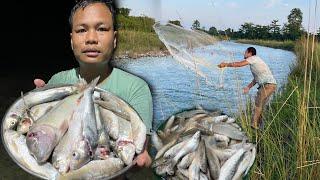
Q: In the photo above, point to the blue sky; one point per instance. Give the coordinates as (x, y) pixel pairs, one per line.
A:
(223, 13)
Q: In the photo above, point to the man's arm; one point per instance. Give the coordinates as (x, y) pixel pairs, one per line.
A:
(234, 64)
(250, 85)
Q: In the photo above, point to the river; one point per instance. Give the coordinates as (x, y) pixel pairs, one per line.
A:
(175, 88)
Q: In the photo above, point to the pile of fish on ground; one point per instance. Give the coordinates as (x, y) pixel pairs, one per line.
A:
(73, 132)
(198, 144)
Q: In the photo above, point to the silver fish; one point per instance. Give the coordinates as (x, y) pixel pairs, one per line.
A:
(17, 147)
(156, 141)
(34, 114)
(49, 93)
(47, 131)
(127, 112)
(228, 130)
(77, 146)
(96, 169)
(230, 167)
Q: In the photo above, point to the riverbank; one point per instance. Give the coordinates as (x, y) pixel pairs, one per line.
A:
(286, 45)
(288, 147)
(136, 44)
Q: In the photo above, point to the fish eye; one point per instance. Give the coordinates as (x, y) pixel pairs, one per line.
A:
(75, 155)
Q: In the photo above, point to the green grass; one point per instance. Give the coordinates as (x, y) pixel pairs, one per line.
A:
(287, 45)
(133, 43)
(289, 146)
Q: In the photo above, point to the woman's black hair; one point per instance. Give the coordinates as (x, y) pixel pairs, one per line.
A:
(84, 3)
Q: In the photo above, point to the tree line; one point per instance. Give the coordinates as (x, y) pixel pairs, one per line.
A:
(291, 30)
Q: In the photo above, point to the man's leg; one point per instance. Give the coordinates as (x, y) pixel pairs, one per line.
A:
(262, 97)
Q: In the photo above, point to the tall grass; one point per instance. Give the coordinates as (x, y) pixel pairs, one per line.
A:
(132, 42)
(289, 145)
(287, 45)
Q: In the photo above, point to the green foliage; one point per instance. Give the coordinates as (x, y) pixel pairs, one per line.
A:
(123, 11)
(288, 147)
(139, 23)
(196, 25)
(176, 22)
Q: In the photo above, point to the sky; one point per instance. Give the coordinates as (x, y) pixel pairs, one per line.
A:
(223, 14)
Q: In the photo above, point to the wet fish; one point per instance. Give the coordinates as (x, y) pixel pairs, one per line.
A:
(127, 112)
(47, 131)
(189, 146)
(228, 130)
(16, 144)
(214, 164)
(77, 145)
(194, 169)
(243, 165)
(166, 147)
(191, 113)
(169, 124)
(156, 141)
(49, 93)
(111, 123)
(173, 150)
(230, 167)
(97, 169)
(125, 147)
(34, 114)
(186, 161)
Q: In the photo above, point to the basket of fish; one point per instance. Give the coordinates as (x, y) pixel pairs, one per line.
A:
(73, 132)
(202, 144)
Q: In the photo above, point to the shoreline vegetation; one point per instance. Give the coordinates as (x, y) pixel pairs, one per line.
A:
(288, 147)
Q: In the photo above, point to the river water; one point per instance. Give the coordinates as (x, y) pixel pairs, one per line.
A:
(175, 88)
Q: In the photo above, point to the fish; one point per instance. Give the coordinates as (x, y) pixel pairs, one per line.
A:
(77, 145)
(189, 146)
(186, 161)
(11, 121)
(156, 141)
(103, 149)
(47, 131)
(96, 169)
(125, 147)
(230, 167)
(169, 124)
(34, 114)
(17, 147)
(127, 112)
(49, 93)
(111, 122)
(211, 155)
(243, 165)
(213, 163)
(194, 169)
(228, 130)
(170, 153)
(202, 156)
(165, 148)
(190, 113)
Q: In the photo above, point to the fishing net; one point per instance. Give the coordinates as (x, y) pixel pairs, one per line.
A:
(191, 48)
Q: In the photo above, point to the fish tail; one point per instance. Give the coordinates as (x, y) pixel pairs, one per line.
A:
(82, 84)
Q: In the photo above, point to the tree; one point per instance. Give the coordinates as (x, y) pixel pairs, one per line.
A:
(295, 24)
(247, 29)
(124, 11)
(275, 29)
(196, 25)
(213, 31)
(176, 22)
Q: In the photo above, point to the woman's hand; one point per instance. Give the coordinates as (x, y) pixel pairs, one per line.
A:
(144, 159)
